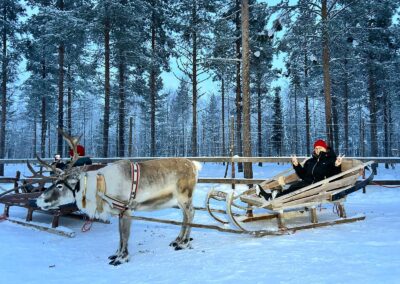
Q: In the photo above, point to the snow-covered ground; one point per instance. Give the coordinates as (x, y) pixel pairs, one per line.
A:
(362, 252)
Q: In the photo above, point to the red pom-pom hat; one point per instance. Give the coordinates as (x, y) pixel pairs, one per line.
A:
(320, 143)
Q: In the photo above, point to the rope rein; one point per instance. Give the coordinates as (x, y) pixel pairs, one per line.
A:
(386, 186)
(87, 226)
(3, 217)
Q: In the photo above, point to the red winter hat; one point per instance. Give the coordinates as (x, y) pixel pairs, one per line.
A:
(80, 149)
(320, 143)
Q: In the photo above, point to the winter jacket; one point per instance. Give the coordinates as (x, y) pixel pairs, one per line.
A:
(83, 161)
(318, 167)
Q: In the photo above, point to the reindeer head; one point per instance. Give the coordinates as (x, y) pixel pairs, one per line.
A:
(62, 192)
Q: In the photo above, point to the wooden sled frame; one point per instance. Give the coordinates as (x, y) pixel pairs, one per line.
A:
(21, 198)
(332, 190)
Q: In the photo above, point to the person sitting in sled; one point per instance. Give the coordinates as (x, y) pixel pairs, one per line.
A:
(323, 164)
(58, 162)
(82, 160)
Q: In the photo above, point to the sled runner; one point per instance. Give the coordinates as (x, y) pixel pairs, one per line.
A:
(293, 211)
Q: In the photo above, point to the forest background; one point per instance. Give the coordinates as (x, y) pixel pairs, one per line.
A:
(107, 70)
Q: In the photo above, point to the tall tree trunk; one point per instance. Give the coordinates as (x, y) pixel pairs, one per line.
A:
(335, 119)
(130, 136)
(259, 120)
(44, 118)
(224, 152)
(61, 51)
(69, 101)
(326, 72)
(4, 78)
(106, 117)
(238, 99)
(346, 113)
(49, 139)
(306, 105)
(69, 107)
(386, 108)
(296, 138)
(153, 91)
(34, 140)
(43, 128)
(60, 97)
(362, 138)
(121, 116)
(373, 109)
(248, 169)
(308, 128)
(194, 81)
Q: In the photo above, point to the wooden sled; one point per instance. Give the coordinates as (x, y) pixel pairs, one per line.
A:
(296, 210)
(20, 197)
(26, 200)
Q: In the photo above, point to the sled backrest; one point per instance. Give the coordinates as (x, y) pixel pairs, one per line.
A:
(347, 164)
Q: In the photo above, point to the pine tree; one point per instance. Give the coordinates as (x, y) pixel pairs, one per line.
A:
(194, 23)
(158, 26)
(376, 48)
(180, 119)
(58, 28)
(10, 11)
(223, 65)
(277, 127)
(261, 65)
(211, 124)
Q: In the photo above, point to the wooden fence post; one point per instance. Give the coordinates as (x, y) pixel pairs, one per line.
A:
(232, 141)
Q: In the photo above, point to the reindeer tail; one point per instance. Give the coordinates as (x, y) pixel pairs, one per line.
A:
(198, 166)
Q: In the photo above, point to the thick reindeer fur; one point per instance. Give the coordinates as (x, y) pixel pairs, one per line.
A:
(163, 183)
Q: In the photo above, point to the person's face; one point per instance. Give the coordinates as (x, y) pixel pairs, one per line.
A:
(319, 149)
(57, 157)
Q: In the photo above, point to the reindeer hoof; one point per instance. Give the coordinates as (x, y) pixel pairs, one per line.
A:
(117, 261)
(183, 244)
(112, 257)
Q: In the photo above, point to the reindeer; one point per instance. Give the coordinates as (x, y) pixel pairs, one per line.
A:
(123, 187)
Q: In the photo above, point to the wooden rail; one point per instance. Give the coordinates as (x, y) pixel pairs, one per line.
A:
(221, 160)
(393, 160)
(258, 181)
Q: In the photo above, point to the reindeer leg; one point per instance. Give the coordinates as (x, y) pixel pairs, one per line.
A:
(122, 255)
(115, 255)
(183, 239)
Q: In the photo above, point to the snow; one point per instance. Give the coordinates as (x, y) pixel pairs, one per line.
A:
(361, 252)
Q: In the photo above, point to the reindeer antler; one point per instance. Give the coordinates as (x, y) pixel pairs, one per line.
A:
(73, 144)
(39, 175)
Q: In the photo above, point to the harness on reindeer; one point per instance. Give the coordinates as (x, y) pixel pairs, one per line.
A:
(101, 191)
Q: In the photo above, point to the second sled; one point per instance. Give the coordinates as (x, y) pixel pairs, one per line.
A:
(302, 209)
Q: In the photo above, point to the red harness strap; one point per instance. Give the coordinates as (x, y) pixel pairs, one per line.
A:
(121, 205)
(135, 170)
